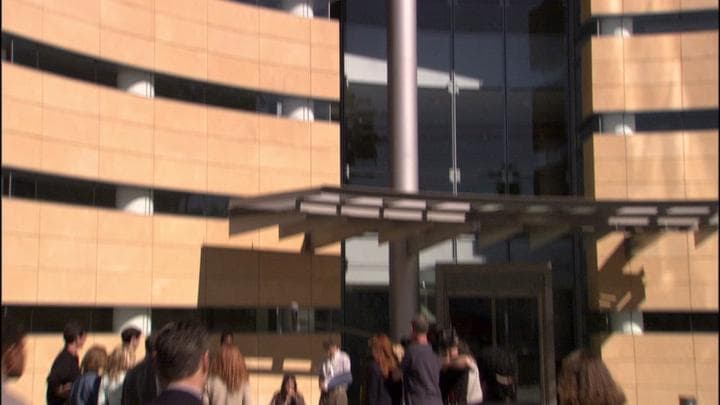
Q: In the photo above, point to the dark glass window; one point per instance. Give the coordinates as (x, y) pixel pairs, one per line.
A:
(53, 319)
(6, 48)
(179, 89)
(216, 206)
(328, 320)
(683, 22)
(162, 316)
(704, 322)
(231, 98)
(67, 64)
(24, 52)
(64, 190)
(102, 320)
(322, 110)
(5, 183)
(22, 316)
(107, 74)
(236, 319)
(22, 185)
(178, 203)
(105, 196)
(269, 104)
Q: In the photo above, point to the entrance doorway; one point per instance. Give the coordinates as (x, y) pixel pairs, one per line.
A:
(503, 311)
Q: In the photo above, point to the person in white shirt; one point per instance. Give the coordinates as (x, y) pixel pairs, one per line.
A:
(111, 385)
(335, 375)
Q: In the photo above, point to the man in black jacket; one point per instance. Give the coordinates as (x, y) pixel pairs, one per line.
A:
(66, 367)
(182, 361)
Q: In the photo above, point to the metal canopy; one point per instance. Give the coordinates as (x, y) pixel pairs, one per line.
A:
(326, 215)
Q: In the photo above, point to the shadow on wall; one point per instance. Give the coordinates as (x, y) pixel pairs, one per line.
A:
(240, 290)
(617, 288)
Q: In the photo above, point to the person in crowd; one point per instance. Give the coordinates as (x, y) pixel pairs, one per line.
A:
(182, 363)
(86, 388)
(131, 340)
(459, 375)
(111, 385)
(66, 366)
(228, 380)
(288, 394)
(384, 378)
(13, 357)
(421, 367)
(141, 384)
(335, 375)
(584, 379)
(499, 367)
(226, 338)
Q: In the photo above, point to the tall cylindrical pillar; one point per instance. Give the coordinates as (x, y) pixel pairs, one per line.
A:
(136, 200)
(136, 82)
(126, 317)
(298, 109)
(298, 7)
(402, 108)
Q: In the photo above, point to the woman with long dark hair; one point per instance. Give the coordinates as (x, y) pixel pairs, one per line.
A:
(585, 380)
(384, 379)
(288, 394)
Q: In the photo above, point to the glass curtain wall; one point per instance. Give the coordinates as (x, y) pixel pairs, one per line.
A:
(492, 118)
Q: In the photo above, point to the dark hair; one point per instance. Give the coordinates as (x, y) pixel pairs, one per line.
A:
(224, 334)
(12, 333)
(72, 331)
(420, 324)
(286, 378)
(130, 333)
(179, 347)
(328, 343)
(150, 344)
(585, 380)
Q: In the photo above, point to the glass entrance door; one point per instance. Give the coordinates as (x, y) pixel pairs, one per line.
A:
(510, 325)
(505, 314)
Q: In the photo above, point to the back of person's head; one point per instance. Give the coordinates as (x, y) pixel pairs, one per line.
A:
(228, 364)
(72, 332)
(179, 350)
(382, 352)
(226, 336)
(13, 348)
(94, 360)
(420, 324)
(330, 343)
(150, 344)
(130, 333)
(119, 362)
(584, 379)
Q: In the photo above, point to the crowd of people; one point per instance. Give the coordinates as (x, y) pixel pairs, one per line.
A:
(179, 368)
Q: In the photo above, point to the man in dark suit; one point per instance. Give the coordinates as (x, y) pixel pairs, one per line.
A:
(182, 363)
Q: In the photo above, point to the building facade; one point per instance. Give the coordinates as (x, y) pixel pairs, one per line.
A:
(127, 125)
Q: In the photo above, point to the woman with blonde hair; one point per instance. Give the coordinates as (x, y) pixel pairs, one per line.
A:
(228, 380)
(585, 380)
(384, 381)
(85, 389)
(119, 362)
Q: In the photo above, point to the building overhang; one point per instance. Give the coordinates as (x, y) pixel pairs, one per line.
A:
(326, 215)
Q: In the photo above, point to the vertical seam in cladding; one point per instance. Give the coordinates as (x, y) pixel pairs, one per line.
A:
(152, 147)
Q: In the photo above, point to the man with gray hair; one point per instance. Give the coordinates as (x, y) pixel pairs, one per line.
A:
(421, 367)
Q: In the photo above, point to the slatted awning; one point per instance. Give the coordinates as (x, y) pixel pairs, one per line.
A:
(326, 215)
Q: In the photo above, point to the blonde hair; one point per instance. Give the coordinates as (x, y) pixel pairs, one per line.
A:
(119, 361)
(94, 359)
(228, 364)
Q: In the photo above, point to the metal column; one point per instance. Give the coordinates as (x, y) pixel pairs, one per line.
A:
(402, 106)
